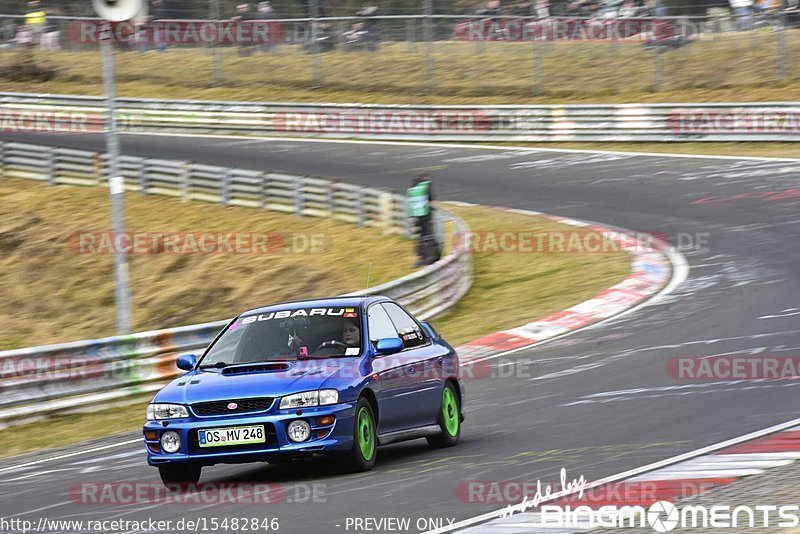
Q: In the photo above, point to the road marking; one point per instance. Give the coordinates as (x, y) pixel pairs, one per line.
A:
(472, 146)
(69, 455)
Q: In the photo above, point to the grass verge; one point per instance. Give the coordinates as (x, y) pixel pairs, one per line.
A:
(53, 294)
(508, 290)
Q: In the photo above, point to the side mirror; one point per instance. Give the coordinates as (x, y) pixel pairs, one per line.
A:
(388, 345)
(186, 362)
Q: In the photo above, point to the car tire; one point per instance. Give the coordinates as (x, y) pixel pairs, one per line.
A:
(449, 420)
(365, 438)
(179, 474)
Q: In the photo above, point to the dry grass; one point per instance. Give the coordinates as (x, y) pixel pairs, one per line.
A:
(733, 67)
(52, 294)
(512, 289)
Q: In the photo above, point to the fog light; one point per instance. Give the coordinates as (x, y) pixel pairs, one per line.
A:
(170, 442)
(298, 430)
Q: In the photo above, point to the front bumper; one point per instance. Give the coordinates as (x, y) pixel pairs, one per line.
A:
(337, 437)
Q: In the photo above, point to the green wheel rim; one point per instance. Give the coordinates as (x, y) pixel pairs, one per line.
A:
(450, 411)
(366, 434)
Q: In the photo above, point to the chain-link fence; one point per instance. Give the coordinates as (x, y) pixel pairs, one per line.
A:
(459, 55)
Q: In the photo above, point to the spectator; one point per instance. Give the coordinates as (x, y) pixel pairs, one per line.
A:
(158, 12)
(372, 36)
(542, 9)
(421, 204)
(24, 37)
(742, 12)
(51, 35)
(266, 12)
(35, 20)
(355, 37)
(244, 13)
(627, 10)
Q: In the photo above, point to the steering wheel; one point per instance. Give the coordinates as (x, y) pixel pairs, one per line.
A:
(331, 344)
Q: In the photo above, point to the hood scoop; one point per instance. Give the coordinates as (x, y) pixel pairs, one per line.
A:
(250, 368)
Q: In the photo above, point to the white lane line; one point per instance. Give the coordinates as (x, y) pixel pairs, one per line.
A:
(785, 313)
(69, 455)
(462, 145)
(639, 471)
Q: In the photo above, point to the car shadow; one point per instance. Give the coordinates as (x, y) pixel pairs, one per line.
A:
(321, 467)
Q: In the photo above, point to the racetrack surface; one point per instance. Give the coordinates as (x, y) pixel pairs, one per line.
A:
(597, 402)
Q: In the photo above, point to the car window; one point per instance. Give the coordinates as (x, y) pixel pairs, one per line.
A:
(380, 325)
(291, 334)
(410, 332)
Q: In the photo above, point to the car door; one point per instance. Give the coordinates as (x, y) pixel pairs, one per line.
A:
(424, 365)
(394, 388)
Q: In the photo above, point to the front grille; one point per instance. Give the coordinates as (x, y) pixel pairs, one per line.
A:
(242, 406)
(270, 434)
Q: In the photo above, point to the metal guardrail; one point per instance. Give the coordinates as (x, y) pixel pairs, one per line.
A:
(767, 121)
(38, 381)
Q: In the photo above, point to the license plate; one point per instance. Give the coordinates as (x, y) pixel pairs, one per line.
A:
(239, 435)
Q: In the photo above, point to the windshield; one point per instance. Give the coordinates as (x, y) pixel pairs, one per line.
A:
(288, 335)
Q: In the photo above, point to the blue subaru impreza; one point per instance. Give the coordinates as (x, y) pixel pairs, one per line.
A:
(329, 376)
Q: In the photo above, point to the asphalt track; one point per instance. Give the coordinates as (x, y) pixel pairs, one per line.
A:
(596, 403)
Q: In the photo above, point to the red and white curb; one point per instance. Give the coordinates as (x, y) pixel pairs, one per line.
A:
(689, 477)
(656, 269)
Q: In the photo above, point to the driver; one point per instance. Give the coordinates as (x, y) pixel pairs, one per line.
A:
(351, 335)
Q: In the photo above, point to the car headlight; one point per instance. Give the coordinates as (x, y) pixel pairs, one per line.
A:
(156, 412)
(305, 399)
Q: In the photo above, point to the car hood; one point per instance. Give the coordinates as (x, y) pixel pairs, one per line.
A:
(257, 380)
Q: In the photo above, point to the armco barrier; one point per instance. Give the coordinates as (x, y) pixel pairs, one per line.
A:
(778, 121)
(39, 381)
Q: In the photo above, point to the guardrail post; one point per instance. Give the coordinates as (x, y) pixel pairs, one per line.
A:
(298, 196)
(386, 206)
(51, 166)
(225, 193)
(360, 218)
(97, 165)
(265, 191)
(143, 177)
(186, 180)
(331, 198)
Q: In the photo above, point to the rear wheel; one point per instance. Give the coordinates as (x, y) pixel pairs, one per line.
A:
(179, 474)
(449, 420)
(365, 439)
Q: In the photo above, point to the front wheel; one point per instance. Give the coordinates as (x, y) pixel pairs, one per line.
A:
(449, 420)
(179, 474)
(365, 440)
